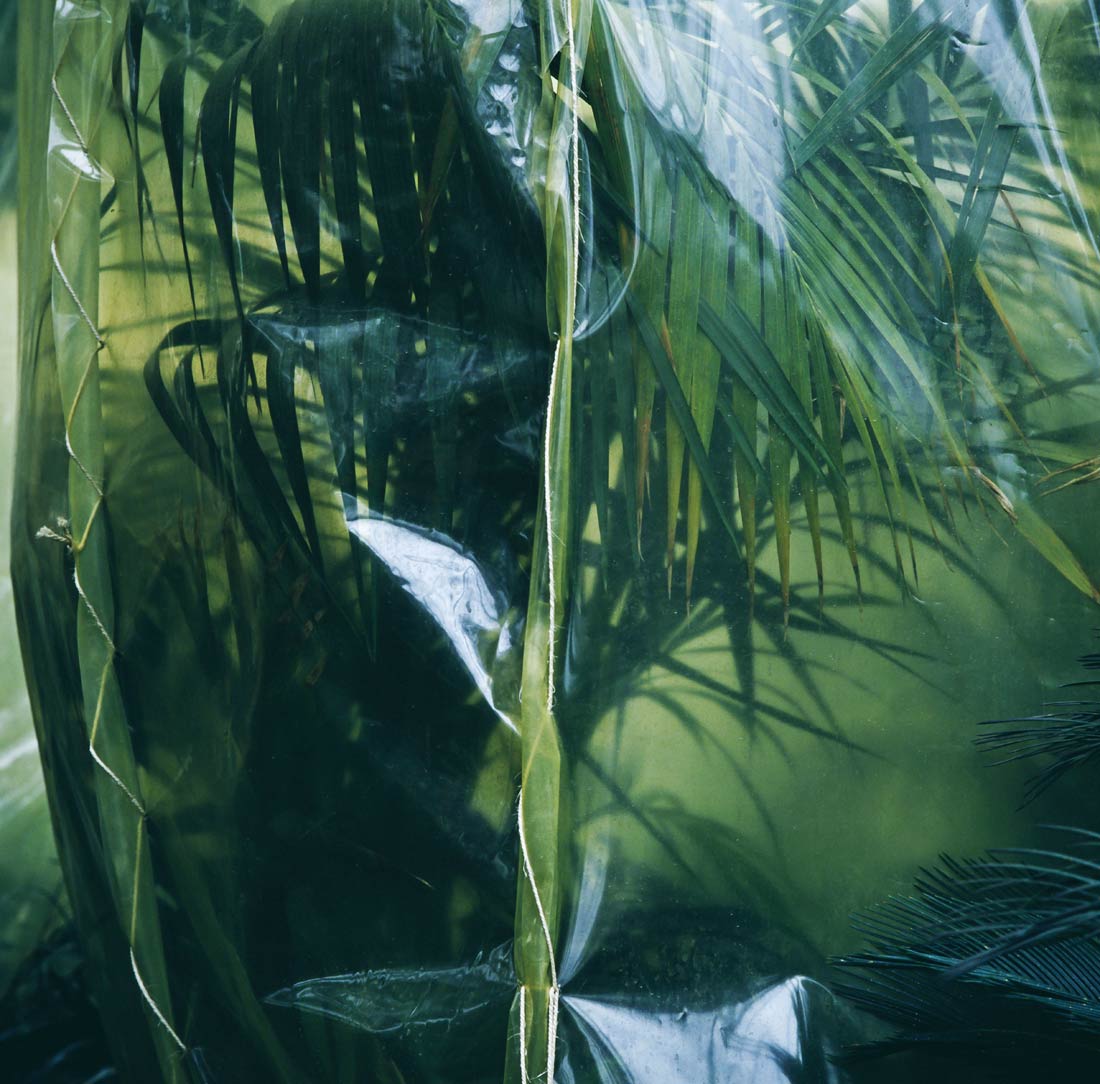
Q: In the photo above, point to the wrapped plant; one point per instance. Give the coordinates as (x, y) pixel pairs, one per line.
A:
(454, 437)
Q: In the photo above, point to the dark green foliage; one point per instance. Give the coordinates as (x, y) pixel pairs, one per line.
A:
(371, 146)
(995, 962)
(1066, 739)
(327, 530)
(50, 1031)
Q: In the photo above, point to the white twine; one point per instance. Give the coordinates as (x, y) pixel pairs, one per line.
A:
(45, 532)
(63, 533)
(523, 1074)
(49, 533)
(100, 341)
(92, 610)
(92, 737)
(116, 780)
(575, 147)
(552, 647)
(551, 1032)
(68, 115)
(553, 993)
(153, 1005)
(83, 469)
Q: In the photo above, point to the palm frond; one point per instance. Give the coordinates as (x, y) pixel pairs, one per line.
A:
(1070, 738)
(994, 960)
(786, 276)
(810, 314)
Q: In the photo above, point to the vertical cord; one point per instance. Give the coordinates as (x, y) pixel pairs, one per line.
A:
(77, 545)
(575, 146)
(554, 993)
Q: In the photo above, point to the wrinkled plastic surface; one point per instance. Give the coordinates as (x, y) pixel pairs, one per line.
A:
(520, 506)
(29, 875)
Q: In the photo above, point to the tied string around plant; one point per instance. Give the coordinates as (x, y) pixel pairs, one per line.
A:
(570, 316)
(77, 546)
(554, 992)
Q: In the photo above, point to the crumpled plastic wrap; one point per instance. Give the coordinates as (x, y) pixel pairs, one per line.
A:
(519, 505)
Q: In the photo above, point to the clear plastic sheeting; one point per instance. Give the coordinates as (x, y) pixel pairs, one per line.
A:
(521, 508)
(440, 1017)
(767, 1038)
(29, 877)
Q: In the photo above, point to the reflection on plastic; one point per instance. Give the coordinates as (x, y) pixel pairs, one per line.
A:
(767, 1039)
(820, 280)
(773, 1037)
(405, 1001)
(438, 1017)
(448, 584)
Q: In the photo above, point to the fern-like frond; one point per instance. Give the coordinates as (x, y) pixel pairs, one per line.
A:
(996, 960)
(1067, 739)
(993, 960)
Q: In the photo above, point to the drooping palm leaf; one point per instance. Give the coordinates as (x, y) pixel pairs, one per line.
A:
(838, 276)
